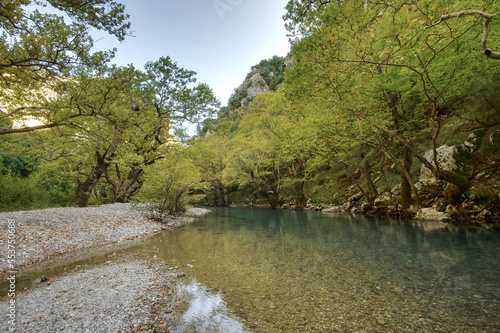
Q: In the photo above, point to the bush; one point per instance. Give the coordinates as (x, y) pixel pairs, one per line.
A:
(168, 183)
(26, 193)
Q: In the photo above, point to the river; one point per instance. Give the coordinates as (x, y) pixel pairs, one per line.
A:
(265, 270)
(292, 271)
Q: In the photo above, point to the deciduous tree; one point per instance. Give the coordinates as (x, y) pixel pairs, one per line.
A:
(38, 49)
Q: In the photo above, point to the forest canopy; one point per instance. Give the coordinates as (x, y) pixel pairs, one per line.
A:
(380, 106)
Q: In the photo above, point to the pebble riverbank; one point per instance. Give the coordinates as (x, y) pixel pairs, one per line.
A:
(127, 295)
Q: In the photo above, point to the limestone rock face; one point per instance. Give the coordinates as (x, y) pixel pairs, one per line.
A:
(254, 86)
(333, 209)
(289, 62)
(383, 200)
(457, 159)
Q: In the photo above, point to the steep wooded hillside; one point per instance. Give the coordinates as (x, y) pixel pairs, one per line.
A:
(387, 107)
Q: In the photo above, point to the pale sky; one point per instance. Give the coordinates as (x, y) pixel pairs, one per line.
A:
(218, 39)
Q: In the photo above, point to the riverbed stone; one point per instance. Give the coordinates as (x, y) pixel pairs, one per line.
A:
(432, 214)
(119, 297)
(333, 209)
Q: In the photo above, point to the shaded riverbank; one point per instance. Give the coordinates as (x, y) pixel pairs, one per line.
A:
(453, 214)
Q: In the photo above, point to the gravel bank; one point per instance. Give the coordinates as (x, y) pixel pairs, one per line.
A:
(128, 295)
(44, 234)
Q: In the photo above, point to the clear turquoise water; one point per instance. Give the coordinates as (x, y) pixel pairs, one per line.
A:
(287, 271)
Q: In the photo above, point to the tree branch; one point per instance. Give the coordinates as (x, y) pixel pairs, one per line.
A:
(486, 21)
(28, 129)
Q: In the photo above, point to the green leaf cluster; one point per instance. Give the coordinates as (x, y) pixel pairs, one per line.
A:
(169, 182)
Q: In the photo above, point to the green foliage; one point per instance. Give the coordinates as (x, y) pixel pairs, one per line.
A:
(272, 70)
(38, 49)
(28, 182)
(389, 69)
(16, 165)
(210, 157)
(169, 181)
(20, 193)
(373, 86)
(236, 98)
(100, 14)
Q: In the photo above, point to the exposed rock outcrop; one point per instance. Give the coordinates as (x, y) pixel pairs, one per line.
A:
(456, 159)
(253, 86)
(432, 214)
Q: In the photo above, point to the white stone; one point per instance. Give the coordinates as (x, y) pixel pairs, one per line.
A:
(432, 214)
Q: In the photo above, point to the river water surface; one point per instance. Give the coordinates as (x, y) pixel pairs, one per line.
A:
(267, 270)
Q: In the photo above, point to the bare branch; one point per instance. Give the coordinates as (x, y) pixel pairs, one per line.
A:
(486, 21)
(27, 129)
(5, 115)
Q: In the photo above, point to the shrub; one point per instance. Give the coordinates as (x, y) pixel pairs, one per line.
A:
(26, 193)
(168, 182)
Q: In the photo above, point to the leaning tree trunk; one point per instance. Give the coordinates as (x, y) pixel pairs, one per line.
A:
(84, 189)
(406, 187)
(460, 184)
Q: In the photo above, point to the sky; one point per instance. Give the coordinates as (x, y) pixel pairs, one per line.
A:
(219, 39)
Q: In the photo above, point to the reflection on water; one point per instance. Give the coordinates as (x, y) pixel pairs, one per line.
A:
(285, 271)
(206, 310)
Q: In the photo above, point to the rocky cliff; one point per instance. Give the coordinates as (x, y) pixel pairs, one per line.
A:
(263, 77)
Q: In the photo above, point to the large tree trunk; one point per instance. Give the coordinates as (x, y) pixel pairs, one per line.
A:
(371, 192)
(124, 189)
(221, 193)
(84, 189)
(299, 197)
(406, 187)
